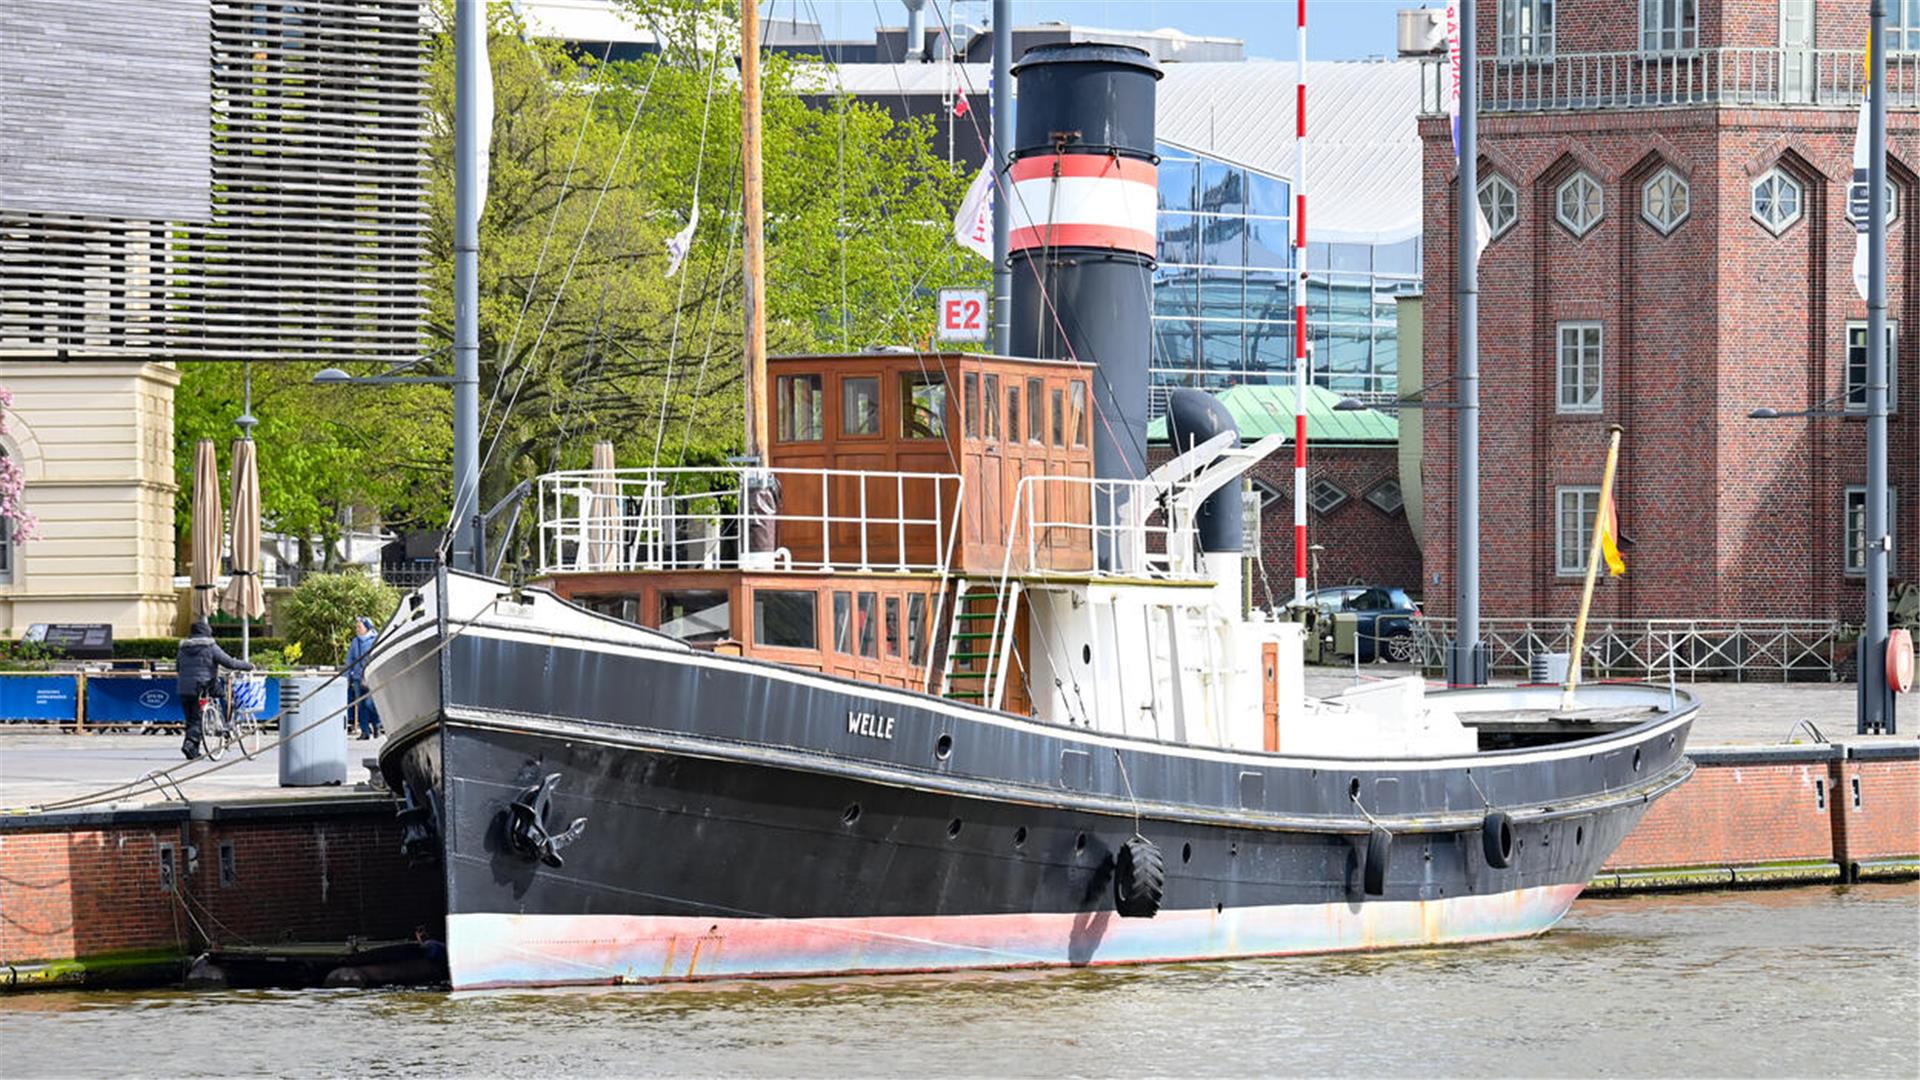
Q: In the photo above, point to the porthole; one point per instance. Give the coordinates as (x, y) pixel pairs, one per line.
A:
(943, 747)
(1079, 843)
(1579, 835)
(1353, 789)
(851, 814)
(1636, 759)
(1020, 837)
(1086, 654)
(1186, 853)
(953, 828)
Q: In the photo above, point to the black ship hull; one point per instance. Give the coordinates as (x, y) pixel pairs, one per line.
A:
(750, 820)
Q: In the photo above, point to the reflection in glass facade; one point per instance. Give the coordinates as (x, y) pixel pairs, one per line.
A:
(1223, 301)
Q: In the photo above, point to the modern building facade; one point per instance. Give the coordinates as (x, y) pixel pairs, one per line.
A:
(1666, 184)
(196, 179)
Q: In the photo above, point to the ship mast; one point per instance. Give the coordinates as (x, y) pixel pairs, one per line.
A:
(754, 247)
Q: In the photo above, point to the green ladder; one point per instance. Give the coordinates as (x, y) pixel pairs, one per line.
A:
(971, 648)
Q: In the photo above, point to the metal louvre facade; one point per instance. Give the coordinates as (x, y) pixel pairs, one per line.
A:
(315, 240)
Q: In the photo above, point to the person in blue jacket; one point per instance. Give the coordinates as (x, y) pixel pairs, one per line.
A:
(357, 650)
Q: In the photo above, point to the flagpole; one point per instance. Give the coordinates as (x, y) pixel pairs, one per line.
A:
(1601, 522)
(1002, 148)
(1302, 353)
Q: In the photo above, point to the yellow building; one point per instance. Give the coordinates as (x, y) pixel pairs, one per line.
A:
(94, 441)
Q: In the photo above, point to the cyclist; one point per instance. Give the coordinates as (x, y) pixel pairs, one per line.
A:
(198, 663)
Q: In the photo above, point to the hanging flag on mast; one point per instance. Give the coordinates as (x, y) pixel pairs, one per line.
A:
(1610, 538)
(1451, 105)
(973, 225)
(1860, 192)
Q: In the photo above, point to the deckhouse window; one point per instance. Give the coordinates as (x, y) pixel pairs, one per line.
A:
(970, 384)
(892, 627)
(843, 623)
(798, 399)
(1059, 418)
(990, 410)
(695, 615)
(923, 406)
(784, 618)
(1079, 397)
(916, 618)
(1036, 412)
(869, 624)
(1013, 411)
(860, 406)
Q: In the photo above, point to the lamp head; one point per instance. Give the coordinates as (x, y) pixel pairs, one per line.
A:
(331, 375)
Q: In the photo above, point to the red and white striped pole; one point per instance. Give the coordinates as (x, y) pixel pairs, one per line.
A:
(1301, 353)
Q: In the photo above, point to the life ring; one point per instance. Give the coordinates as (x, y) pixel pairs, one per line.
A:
(1379, 853)
(1496, 839)
(1900, 660)
(1139, 879)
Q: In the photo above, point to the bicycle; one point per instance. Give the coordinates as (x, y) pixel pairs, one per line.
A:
(238, 723)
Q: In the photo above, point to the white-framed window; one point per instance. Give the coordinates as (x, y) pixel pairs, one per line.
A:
(1669, 25)
(1577, 367)
(1325, 496)
(1856, 527)
(1575, 511)
(1857, 365)
(1903, 26)
(1500, 203)
(1777, 201)
(1665, 200)
(1526, 27)
(1579, 203)
(1271, 495)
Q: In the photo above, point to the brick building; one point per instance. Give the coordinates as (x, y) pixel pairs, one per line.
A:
(1671, 250)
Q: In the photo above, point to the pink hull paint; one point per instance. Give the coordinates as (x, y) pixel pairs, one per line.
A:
(497, 950)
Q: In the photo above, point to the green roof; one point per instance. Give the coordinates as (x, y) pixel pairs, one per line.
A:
(1265, 410)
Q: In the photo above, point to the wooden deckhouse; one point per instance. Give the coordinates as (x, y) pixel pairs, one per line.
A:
(899, 478)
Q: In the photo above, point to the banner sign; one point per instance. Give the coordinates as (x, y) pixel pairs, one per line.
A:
(38, 698)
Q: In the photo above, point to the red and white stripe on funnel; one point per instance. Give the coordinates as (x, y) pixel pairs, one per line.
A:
(1083, 200)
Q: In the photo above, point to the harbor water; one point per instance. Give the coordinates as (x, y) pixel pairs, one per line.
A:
(1794, 982)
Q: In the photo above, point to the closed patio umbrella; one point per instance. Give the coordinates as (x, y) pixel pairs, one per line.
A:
(207, 529)
(244, 598)
(604, 518)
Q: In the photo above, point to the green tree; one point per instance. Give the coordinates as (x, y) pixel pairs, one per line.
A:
(318, 615)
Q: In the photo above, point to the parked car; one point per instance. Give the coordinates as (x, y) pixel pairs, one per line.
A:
(1383, 618)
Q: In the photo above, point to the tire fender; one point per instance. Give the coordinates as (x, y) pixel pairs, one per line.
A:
(1496, 839)
(1139, 879)
(1379, 853)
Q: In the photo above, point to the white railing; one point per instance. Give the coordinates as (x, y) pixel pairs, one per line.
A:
(1691, 77)
(1656, 649)
(1097, 528)
(695, 518)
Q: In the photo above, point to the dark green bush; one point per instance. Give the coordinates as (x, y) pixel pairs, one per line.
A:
(166, 648)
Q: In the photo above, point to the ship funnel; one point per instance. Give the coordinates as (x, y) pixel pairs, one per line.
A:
(1082, 204)
(916, 29)
(1193, 417)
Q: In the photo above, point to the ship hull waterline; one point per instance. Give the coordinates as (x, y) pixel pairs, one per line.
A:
(744, 820)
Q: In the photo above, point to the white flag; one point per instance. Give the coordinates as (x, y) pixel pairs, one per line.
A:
(680, 242)
(973, 225)
(1858, 194)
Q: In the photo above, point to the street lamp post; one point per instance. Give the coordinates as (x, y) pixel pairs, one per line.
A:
(1468, 665)
(1876, 696)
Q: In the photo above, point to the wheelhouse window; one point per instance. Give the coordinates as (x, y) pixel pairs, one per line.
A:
(699, 616)
(1577, 507)
(1013, 411)
(990, 409)
(891, 628)
(1856, 526)
(970, 389)
(860, 406)
(799, 401)
(1857, 366)
(622, 606)
(785, 618)
(1036, 411)
(1059, 398)
(923, 406)
(1078, 393)
(1526, 27)
(1669, 25)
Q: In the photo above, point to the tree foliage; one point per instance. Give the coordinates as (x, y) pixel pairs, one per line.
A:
(593, 166)
(317, 616)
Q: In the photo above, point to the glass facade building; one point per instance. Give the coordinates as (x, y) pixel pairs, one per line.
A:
(1223, 292)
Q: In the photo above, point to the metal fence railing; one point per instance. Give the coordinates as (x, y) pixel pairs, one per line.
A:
(1657, 649)
(1730, 76)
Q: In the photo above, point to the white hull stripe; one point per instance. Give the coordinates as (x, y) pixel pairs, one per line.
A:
(494, 950)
